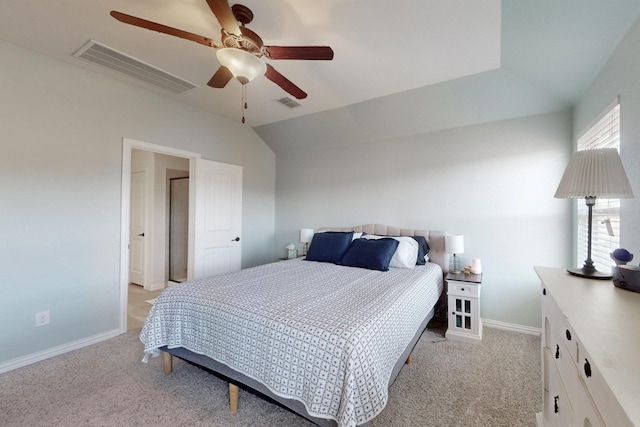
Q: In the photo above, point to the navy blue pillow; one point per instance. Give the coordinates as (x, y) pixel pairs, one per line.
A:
(374, 254)
(329, 246)
(423, 249)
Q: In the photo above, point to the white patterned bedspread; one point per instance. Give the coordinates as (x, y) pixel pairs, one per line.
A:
(322, 334)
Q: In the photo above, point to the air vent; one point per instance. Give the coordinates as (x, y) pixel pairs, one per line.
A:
(103, 55)
(288, 102)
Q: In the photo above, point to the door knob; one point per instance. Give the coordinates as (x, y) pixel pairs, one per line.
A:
(237, 239)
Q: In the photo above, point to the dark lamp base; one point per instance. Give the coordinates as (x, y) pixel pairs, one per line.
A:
(589, 273)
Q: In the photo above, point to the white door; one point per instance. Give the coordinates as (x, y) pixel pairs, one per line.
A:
(137, 228)
(218, 218)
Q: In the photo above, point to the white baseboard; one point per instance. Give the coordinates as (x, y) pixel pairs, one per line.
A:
(56, 351)
(496, 324)
(154, 287)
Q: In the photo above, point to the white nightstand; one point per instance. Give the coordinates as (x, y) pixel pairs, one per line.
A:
(463, 298)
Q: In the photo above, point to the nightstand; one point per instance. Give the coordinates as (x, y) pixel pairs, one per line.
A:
(463, 297)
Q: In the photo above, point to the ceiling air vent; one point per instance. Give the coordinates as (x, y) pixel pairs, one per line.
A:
(103, 55)
(288, 102)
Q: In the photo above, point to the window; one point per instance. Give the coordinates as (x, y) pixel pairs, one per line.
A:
(605, 133)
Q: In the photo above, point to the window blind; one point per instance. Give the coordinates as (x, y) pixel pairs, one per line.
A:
(605, 133)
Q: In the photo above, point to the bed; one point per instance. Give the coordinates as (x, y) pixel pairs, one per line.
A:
(324, 340)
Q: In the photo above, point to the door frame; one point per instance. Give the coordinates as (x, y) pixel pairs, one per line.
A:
(127, 146)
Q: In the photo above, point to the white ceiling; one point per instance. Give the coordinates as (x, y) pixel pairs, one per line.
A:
(381, 47)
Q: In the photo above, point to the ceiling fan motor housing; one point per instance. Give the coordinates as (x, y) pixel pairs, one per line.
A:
(242, 13)
(249, 41)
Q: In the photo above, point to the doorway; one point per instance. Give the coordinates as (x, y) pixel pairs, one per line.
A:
(151, 243)
(178, 228)
(146, 249)
(214, 219)
(158, 229)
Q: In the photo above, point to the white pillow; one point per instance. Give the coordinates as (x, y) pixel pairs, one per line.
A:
(405, 255)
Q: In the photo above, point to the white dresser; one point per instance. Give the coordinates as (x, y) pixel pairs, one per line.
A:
(590, 352)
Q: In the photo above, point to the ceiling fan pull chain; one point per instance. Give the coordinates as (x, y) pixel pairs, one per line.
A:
(244, 100)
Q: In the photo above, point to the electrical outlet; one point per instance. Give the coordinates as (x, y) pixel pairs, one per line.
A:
(42, 318)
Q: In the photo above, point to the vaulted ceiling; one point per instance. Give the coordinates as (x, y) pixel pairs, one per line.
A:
(404, 60)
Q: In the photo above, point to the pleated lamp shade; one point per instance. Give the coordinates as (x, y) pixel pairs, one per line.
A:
(594, 173)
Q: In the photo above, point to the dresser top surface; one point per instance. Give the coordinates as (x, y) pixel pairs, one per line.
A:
(607, 322)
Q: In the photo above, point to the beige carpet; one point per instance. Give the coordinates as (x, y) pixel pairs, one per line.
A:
(449, 383)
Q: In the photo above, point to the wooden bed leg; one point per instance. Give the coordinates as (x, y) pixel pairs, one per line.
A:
(408, 361)
(233, 398)
(167, 362)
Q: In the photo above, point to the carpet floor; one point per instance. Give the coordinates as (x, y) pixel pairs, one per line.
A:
(448, 383)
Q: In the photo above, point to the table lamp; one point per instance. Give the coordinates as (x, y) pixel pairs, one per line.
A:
(306, 234)
(591, 174)
(454, 244)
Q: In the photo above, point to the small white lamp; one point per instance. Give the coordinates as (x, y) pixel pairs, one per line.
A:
(454, 244)
(591, 174)
(306, 235)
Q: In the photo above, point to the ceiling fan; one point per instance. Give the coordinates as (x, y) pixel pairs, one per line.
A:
(238, 43)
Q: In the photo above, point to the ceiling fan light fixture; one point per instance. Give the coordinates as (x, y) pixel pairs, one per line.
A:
(243, 65)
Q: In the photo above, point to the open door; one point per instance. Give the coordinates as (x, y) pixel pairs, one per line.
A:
(218, 219)
(138, 217)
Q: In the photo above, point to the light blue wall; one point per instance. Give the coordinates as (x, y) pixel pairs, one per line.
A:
(492, 182)
(415, 159)
(480, 98)
(61, 130)
(621, 77)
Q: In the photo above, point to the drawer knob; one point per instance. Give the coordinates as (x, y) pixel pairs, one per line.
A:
(555, 405)
(462, 289)
(544, 291)
(557, 351)
(568, 334)
(587, 368)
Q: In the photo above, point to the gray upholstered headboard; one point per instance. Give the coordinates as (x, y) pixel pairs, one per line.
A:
(437, 253)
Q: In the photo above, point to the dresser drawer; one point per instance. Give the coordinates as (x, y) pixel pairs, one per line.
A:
(462, 289)
(557, 408)
(561, 329)
(584, 410)
(609, 407)
(564, 362)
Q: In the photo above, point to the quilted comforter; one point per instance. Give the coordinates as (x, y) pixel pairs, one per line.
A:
(325, 335)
